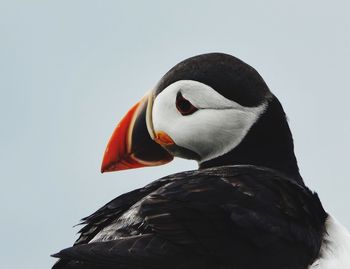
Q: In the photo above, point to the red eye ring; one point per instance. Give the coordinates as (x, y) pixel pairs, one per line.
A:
(184, 106)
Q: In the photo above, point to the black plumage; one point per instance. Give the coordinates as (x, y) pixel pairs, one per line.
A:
(226, 217)
(231, 77)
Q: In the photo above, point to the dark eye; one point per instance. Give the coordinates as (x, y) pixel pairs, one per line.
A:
(184, 106)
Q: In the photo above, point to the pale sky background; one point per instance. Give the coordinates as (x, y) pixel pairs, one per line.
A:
(69, 70)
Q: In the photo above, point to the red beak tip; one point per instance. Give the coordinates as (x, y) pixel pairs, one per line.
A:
(113, 167)
(107, 168)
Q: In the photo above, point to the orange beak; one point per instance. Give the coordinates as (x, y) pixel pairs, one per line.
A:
(131, 144)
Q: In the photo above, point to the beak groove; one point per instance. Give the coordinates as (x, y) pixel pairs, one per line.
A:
(131, 144)
(117, 154)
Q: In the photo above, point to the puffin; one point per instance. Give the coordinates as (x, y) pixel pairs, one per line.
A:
(245, 207)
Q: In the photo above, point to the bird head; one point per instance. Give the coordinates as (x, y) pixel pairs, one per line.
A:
(202, 109)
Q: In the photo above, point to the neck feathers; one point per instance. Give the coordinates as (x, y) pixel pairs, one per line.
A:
(269, 143)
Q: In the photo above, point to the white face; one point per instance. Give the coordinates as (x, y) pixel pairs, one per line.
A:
(217, 127)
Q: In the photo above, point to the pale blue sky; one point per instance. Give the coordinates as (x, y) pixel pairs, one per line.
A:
(70, 69)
